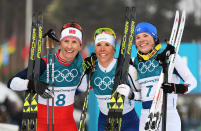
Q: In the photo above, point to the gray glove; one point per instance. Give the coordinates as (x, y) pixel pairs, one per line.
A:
(41, 88)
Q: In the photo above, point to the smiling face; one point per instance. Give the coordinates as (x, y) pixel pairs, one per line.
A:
(144, 42)
(104, 52)
(69, 48)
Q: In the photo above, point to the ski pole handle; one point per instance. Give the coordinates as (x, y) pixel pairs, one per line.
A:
(47, 42)
(94, 57)
(51, 34)
(53, 44)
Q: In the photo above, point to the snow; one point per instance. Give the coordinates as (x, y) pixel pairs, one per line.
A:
(8, 127)
(12, 96)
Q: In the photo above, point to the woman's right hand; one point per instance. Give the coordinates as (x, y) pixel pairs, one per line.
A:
(41, 88)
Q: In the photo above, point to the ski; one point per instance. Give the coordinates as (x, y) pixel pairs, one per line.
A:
(153, 120)
(159, 104)
(28, 93)
(30, 107)
(121, 73)
(177, 43)
(34, 102)
(169, 71)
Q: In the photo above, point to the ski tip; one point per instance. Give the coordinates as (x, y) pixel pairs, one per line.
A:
(37, 13)
(127, 8)
(133, 8)
(183, 13)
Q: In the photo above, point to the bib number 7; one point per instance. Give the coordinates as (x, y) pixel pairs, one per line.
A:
(149, 90)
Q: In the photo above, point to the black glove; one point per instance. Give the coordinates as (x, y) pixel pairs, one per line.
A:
(131, 62)
(162, 57)
(41, 88)
(131, 96)
(176, 88)
(89, 63)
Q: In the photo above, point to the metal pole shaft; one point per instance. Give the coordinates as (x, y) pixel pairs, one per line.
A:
(47, 47)
(53, 45)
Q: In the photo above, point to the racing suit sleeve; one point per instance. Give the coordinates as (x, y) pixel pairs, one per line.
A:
(19, 82)
(183, 72)
(135, 87)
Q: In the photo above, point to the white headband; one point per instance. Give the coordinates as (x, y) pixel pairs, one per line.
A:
(71, 32)
(105, 37)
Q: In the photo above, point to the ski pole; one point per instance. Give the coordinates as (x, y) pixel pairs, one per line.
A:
(53, 45)
(82, 123)
(47, 47)
(51, 34)
(165, 71)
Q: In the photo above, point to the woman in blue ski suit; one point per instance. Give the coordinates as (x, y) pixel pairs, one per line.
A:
(148, 69)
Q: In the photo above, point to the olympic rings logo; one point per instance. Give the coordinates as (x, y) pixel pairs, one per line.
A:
(65, 75)
(149, 65)
(104, 83)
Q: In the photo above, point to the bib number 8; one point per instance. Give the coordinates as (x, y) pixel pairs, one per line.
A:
(60, 100)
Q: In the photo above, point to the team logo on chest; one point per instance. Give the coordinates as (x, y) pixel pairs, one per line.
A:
(65, 75)
(149, 66)
(104, 83)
